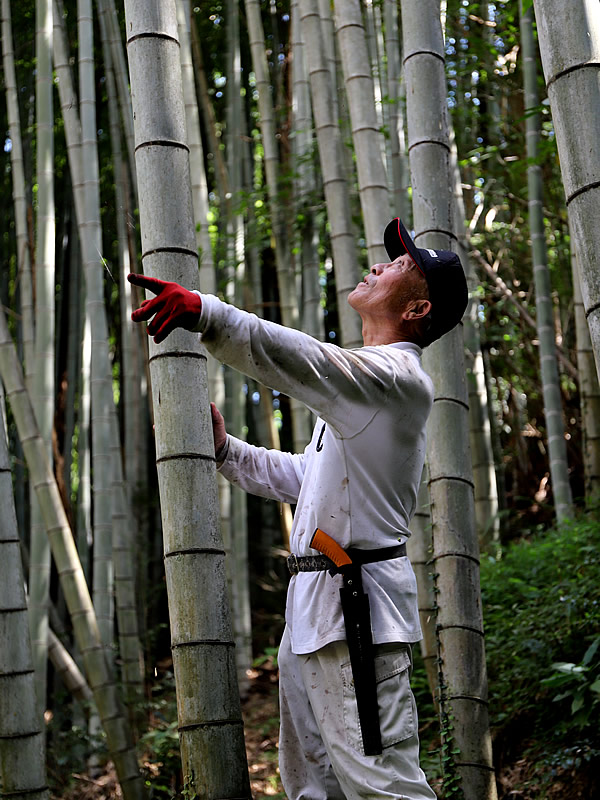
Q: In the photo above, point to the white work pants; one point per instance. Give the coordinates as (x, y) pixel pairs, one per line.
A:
(321, 756)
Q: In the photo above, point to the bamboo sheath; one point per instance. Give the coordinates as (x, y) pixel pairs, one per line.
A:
(462, 669)
(70, 573)
(22, 751)
(569, 41)
(208, 705)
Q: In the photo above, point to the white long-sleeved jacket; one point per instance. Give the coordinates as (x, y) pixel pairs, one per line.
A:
(357, 479)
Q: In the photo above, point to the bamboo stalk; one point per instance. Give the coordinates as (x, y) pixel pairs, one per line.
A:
(69, 570)
(43, 378)
(331, 158)
(22, 767)
(209, 713)
(372, 180)
(569, 41)
(553, 411)
(463, 699)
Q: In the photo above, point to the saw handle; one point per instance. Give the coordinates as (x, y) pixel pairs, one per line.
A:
(322, 542)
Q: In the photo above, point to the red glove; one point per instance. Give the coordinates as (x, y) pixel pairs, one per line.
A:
(173, 307)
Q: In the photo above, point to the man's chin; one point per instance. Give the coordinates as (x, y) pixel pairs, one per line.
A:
(354, 295)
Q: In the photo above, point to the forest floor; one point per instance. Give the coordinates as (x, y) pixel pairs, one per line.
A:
(261, 727)
(525, 778)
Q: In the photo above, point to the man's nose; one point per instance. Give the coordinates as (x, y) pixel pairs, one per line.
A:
(377, 269)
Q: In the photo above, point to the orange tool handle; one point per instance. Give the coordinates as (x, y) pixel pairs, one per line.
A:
(322, 542)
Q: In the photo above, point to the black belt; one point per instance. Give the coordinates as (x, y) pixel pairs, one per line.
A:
(318, 563)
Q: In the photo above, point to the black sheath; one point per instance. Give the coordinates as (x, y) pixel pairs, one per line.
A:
(357, 620)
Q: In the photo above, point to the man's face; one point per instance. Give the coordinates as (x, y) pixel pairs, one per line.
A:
(388, 287)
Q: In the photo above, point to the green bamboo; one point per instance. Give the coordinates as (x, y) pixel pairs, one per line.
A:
(123, 526)
(209, 712)
(463, 699)
(399, 173)
(366, 135)
(235, 406)
(589, 392)
(70, 573)
(18, 181)
(569, 41)
(22, 767)
(305, 184)
(331, 156)
(43, 377)
(557, 445)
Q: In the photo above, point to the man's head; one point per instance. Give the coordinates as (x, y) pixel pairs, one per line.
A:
(443, 274)
(393, 302)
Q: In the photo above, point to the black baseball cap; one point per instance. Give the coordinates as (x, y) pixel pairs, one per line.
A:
(444, 275)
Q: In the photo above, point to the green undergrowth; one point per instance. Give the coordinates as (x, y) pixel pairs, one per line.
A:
(541, 608)
(541, 605)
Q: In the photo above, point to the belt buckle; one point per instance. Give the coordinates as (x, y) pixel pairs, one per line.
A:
(293, 565)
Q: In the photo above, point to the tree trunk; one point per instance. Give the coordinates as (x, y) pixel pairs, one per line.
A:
(108, 14)
(123, 526)
(43, 378)
(198, 173)
(288, 300)
(372, 181)
(305, 184)
(22, 767)
(209, 713)
(569, 41)
(420, 551)
(72, 580)
(399, 173)
(235, 406)
(347, 272)
(480, 434)
(285, 279)
(210, 121)
(557, 446)
(19, 197)
(463, 699)
(589, 394)
(68, 671)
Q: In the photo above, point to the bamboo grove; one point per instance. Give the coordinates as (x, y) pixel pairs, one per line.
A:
(256, 150)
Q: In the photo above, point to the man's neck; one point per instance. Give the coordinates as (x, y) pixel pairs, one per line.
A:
(379, 336)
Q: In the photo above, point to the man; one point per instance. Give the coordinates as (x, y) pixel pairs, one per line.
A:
(348, 717)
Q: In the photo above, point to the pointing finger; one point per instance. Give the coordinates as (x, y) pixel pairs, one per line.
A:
(154, 284)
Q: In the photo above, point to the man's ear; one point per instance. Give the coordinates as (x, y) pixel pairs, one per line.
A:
(418, 309)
